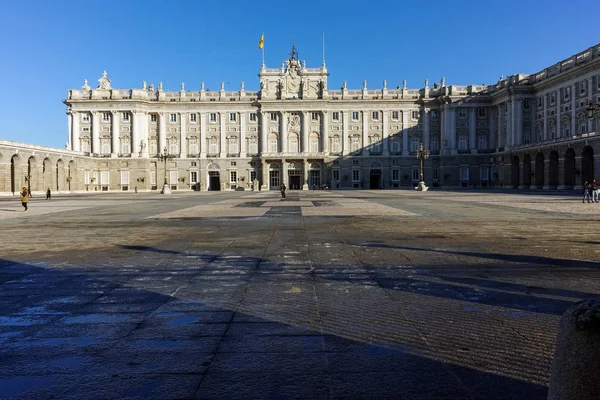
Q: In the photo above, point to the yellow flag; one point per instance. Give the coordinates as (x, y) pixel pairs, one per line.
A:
(261, 42)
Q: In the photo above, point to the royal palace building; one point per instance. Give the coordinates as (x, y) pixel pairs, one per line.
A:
(525, 131)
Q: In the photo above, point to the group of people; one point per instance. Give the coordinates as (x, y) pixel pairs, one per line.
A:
(590, 192)
(25, 195)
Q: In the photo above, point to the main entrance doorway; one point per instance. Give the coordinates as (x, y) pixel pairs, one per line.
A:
(295, 179)
(214, 180)
(315, 179)
(375, 179)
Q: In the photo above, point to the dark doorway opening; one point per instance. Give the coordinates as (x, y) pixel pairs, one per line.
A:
(294, 182)
(587, 164)
(375, 181)
(214, 181)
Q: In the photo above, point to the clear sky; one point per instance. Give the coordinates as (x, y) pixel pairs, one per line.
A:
(49, 46)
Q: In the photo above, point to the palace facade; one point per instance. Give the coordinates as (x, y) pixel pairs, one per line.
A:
(525, 131)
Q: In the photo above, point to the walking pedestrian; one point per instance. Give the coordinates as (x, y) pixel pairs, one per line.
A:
(587, 192)
(24, 198)
(283, 188)
(595, 192)
(48, 194)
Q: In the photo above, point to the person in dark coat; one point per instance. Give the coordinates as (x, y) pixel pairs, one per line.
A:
(283, 189)
(48, 194)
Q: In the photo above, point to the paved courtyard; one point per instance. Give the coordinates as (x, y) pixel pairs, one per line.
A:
(326, 295)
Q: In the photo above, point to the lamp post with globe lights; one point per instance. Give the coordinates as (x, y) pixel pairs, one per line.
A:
(164, 157)
(422, 154)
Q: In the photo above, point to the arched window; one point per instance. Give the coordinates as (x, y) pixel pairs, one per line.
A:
(193, 145)
(253, 145)
(482, 143)
(233, 145)
(173, 146)
(213, 145)
(355, 143)
(125, 145)
(336, 144)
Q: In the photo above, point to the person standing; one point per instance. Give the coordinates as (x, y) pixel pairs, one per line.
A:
(587, 192)
(24, 198)
(283, 188)
(48, 194)
(595, 198)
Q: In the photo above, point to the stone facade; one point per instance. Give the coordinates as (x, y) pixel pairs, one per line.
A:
(525, 131)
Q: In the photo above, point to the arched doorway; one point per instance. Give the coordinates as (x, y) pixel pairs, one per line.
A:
(32, 176)
(570, 169)
(553, 170)
(539, 170)
(60, 175)
(15, 174)
(47, 173)
(294, 178)
(527, 171)
(587, 164)
(213, 177)
(71, 175)
(375, 176)
(314, 177)
(514, 172)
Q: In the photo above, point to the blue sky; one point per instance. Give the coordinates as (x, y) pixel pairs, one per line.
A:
(48, 46)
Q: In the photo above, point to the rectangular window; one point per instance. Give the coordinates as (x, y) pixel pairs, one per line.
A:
(434, 114)
(484, 173)
(193, 118)
(273, 116)
(86, 177)
(395, 174)
(540, 102)
(252, 175)
(414, 114)
(125, 116)
(213, 117)
(104, 177)
(582, 87)
(233, 176)
(552, 98)
(173, 117)
(567, 93)
(273, 146)
(314, 116)
(501, 173)
(356, 175)
(234, 163)
(354, 143)
(462, 113)
(414, 144)
(336, 175)
(375, 115)
(173, 177)
(85, 117)
(526, 104)
(152, 117)
(124, 177)
(355, 116)
(395, 115)
(335, 116)
(462, 143)
(464, 174)
(105, 116)
(232, 117)
(193, 177)
(153, 178)
(252, 116)
(415, 175)
(435, 145)
(194, 164)
(481, 111)
(435, 175)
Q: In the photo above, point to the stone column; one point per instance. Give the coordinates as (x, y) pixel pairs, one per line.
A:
(365, 134)
(492, 134)
(325, 132)
(95, 132)
(136, 128)
(573, 111)
(443, 128)
(590, 98)
(453, 148)
(426, 128)
(143, 132)
(305, 175)
(546, 116)
(345, 131)
(162, 131)
(116, 130)
(283, 132)
(75, 127)
(558, 98)
(183, 137)
(518, 134)
(242, 147)
(472, 130)
(223, 135)
(265, 175)
(305, 130)
(284, 173)
(510, 116)
(405, 132)
(263, 132)
(70, 130)
(202, 143)
(386, 132)
(500, 136)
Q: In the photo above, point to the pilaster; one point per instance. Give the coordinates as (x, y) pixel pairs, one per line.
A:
(70, 130)
(162, 131)
(426, 127)
(202, 143)
(115, 132)
(242, 148)
(573, 111)
(405, 132)
(365, 134)
(305, 130)
(263, 132)
(546, 115)
(325, 132)
(283, 132)
(95, 132)
(472, 130)
(183, 137)
(453, 148)
(386, 132)
(305, 176)
(345, 138)
(75, 137)
(223, 134)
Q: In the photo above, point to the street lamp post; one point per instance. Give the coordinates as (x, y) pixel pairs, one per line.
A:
(422, 154)
(164, 157)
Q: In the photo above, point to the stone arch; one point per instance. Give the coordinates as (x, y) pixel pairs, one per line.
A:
(376, 164)
(315, 166)
(16, 174)
(569, 168)
(553, 170)
(587, 164)
(47, 173)
(32, 175)
(71, 175)
(60, 175)
(527, 171)
(213, 166)
(514, 172)
(539, 170)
